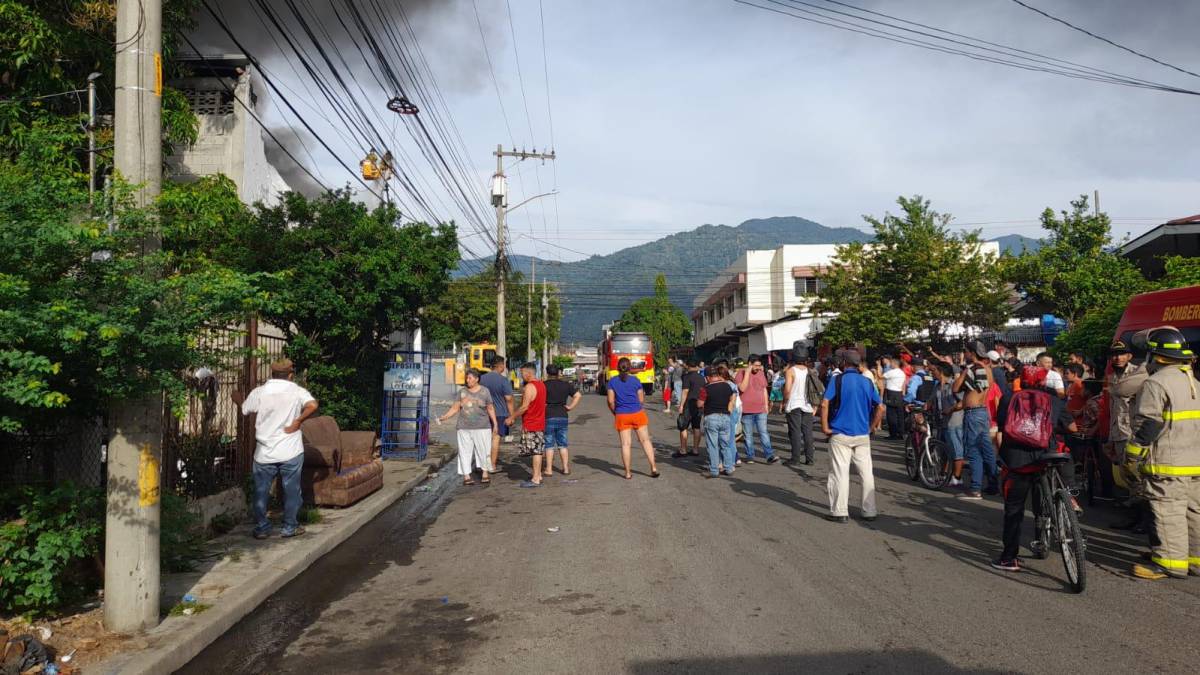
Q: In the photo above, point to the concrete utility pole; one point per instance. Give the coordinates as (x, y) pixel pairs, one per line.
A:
(501, 259)
(131, 555)
(91, 131)
(529, 355)
(545, 328)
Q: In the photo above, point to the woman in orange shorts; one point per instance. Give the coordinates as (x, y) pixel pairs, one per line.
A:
(625, 400)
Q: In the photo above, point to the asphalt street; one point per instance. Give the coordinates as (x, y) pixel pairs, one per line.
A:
(682, 574)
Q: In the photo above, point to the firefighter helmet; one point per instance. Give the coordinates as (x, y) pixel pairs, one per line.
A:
(1169, 342)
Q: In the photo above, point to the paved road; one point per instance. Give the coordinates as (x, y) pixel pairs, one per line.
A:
(682, 574)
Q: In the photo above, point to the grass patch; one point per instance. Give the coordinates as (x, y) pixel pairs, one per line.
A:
(196, 607)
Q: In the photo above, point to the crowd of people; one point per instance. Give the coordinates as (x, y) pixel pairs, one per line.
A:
(1134, 424)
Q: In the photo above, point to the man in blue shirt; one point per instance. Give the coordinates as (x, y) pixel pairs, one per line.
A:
(851, 411)
(920, 377)
(501, 389)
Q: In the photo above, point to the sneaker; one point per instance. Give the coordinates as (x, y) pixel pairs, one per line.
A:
(971, 495)
(738, 463)
(772, 459)
(955, 482)
(261, 534)
(837, 519)
(808, 462)
(1006, 565)
(294, 533)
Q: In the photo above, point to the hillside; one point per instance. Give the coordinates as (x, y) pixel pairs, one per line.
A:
(598, 289)
(1015, 243)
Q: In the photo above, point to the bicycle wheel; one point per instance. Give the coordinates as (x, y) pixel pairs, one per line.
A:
(1070, 540)
(910, 458)
(935, 465)
(1042, 529)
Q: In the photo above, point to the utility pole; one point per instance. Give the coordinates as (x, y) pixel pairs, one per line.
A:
(545, 328)
(91, 131)
(499, 200)
(131, 541)
(529, 355)
(1096, 202)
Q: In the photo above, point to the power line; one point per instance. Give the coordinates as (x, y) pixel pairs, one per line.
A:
(933, 46)
(1101, 38)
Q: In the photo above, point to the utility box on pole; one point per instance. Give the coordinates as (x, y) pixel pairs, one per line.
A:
(131, 539)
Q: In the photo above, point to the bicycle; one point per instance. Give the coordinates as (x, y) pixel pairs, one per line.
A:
(1055, 521)
(926, 457)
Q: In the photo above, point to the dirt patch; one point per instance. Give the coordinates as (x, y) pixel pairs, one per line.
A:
(82, 631)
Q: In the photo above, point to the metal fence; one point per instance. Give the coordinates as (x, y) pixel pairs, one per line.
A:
(208, 449)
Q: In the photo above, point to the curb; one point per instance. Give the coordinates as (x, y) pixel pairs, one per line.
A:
(205, 628)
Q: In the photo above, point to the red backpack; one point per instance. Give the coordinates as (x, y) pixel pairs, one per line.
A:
(1028, 422)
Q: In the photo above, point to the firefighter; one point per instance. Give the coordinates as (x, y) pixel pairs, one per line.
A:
(1124, 382)
(1163, 446)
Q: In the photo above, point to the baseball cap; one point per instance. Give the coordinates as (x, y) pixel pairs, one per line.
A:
(1119, 347)
(994, 355)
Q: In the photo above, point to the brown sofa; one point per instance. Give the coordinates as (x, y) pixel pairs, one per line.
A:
(340, 467)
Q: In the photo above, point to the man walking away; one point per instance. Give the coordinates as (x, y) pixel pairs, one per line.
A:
(752, 383)
(850, 412)
(281, 405)
(802, 392)
(893, 397)
(691, 384)
(532, 414)
(1163, 448)
(561, 398)
(496, 382)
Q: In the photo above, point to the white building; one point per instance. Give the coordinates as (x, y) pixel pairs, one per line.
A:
(230, 140)
(760, 303)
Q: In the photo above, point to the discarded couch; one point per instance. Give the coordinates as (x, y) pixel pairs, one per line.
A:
(340, 467)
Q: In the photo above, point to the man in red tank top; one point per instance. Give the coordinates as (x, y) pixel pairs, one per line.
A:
(532, 414)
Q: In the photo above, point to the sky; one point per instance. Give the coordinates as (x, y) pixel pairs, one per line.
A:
(670, 114)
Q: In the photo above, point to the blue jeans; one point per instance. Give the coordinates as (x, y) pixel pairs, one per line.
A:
(954, 439)
(289, 475)
(734, 418)
(556, 433)
(718, 442)
(757, 423)
(977, 445)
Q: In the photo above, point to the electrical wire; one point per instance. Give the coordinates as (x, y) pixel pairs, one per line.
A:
(1101, 38)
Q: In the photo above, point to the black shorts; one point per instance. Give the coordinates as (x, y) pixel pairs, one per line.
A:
(691, 410)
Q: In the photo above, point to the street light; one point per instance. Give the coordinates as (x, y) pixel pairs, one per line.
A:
(544, 194)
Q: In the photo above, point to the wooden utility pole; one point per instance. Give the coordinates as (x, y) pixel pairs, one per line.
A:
(131, 540)
(500, 201)
(529, 355)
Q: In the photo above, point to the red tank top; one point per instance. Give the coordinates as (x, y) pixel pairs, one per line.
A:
(535, 415)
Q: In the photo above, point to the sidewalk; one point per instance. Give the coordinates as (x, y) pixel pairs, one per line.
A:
(250, 571)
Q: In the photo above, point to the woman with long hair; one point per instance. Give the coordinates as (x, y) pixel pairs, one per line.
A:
(476, 419)
(626, 400)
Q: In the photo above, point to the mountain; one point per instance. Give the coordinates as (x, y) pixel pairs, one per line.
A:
(597, 290)
(1015, 243)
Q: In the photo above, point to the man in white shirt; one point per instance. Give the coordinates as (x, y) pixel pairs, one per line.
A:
(893, 396)
(1054, 379)
(802, 392)
(281, 405)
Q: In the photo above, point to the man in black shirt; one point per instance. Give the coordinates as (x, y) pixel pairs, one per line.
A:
(561, 398)
(689, 403)
(1023, 465)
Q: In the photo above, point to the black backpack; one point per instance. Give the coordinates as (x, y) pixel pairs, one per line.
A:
(927, 389)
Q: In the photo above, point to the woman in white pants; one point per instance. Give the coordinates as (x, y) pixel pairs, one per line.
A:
(476, 419)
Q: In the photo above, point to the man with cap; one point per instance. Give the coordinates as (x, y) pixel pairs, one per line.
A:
(850, 412)
(281, 406)
(1124, 382)
(1164, 427)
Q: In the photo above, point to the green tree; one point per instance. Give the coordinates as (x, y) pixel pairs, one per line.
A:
(466, 312)
(564, 361)
(916, 277)
(342, 279)
(667, 325)
(1077, 269)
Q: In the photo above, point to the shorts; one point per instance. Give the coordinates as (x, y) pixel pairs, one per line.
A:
(776, 396)
(556, 433)
(635, 420)
(533, 442)
(501, 429)
(691, 411)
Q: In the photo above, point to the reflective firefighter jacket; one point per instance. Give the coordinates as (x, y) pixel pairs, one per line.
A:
(1166, 424)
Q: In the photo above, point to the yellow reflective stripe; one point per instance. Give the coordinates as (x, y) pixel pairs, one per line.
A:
(1168, 470)
(1134, 450)
(1182, 415)
(1194, 561)
(1169, 563)
(1172, 345)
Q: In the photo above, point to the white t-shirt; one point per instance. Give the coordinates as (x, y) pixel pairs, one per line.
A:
(799, 392)
(278, 403)
(1054, 381)
(893, 379)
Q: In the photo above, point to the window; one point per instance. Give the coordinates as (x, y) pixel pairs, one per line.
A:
(741, 297)
(729, 305)
(721, 311)
(807, 286)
